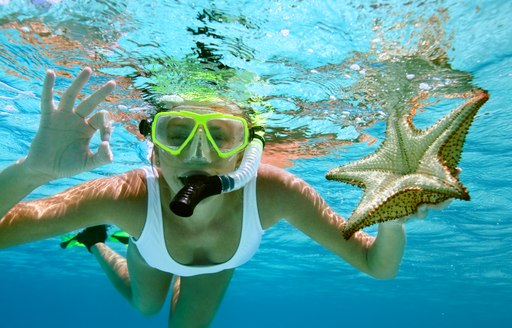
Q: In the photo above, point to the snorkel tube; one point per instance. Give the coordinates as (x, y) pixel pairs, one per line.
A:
(198, 187)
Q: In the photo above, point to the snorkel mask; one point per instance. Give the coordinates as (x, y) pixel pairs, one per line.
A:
(177, 130)
(174, 131)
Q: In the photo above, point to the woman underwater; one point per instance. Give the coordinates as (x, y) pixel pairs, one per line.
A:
(203, 250)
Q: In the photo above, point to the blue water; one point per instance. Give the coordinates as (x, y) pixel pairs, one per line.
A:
(457, 268)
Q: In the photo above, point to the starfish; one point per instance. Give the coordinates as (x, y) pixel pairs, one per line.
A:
(411, 167)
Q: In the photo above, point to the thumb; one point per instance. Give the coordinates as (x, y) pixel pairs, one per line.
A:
(103, 156)
(422, 212)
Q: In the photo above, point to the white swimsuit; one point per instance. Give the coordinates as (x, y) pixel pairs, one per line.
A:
(151, 243)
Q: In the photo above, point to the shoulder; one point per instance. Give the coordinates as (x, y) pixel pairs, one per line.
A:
(269, 173)
(279, 192)
(271, 179)
(274, 178)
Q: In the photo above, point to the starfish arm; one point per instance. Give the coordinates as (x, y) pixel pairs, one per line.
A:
(446, 138)
(400, 150)
(399, 197)
(400, 205)
(357, 176)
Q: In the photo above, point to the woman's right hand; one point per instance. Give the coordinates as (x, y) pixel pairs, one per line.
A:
(61, 146)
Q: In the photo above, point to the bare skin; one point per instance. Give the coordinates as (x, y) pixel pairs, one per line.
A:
(210, 236)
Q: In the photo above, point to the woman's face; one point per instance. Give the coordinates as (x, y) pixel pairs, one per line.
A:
(198, 157)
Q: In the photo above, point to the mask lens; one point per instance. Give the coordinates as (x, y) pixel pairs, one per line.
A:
(226, 133)
(174, 131)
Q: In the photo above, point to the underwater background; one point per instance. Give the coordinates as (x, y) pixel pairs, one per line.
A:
(321, 73)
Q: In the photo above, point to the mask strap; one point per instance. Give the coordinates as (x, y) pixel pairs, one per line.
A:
(145, 127)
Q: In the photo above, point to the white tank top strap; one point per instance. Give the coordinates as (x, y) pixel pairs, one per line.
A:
(251, 226)
(152, 236)
(153, 189)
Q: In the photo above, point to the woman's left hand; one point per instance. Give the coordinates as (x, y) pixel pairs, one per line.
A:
(420, 214)
(422, 210)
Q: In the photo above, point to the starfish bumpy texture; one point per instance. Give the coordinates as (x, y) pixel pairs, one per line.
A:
(411, 167)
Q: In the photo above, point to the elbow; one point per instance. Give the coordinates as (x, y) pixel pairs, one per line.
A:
(383, 271)
(384, 275)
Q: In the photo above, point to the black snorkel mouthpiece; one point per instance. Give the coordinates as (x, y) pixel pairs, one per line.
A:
(195, 189)
(198, 187)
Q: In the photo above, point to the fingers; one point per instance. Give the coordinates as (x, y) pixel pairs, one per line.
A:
(103, 156)
(101, 121)
(68, 99)
(89, 104)
(422, 212)
(442, 205)
(423, 209)
(47, 93)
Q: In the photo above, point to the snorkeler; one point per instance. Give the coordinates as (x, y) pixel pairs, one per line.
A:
(197, 145)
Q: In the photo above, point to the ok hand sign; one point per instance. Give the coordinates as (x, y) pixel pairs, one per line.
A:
(61, 145)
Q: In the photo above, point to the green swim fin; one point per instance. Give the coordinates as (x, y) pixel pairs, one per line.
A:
(87, 237)
(68, 241)
(120, 236)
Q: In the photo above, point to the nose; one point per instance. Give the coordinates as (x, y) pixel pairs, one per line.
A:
(198, 151)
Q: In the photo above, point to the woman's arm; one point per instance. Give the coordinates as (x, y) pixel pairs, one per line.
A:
(119, 200)
(16, 182)
(283, 195)
(61, 145)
